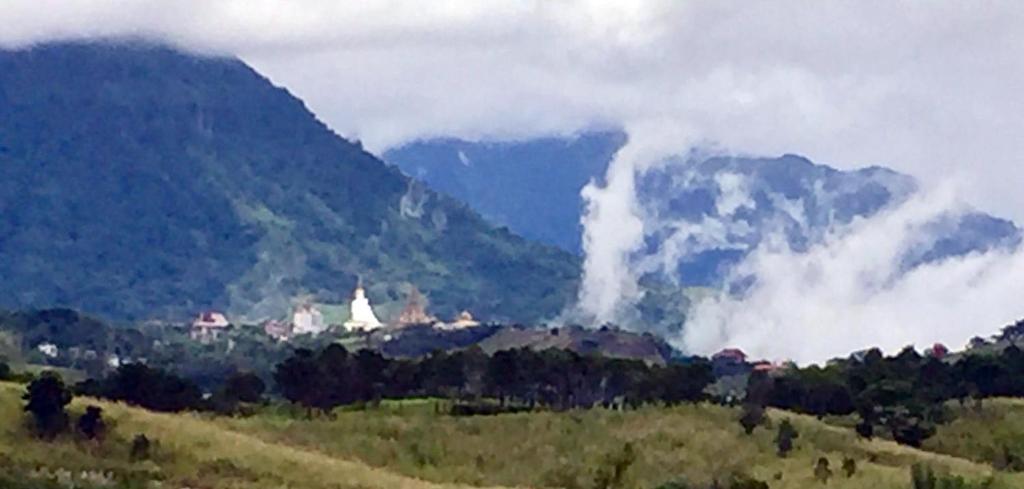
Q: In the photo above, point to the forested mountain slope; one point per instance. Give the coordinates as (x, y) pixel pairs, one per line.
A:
(140, 182)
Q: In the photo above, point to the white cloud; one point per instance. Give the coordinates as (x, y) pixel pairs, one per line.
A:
(846, 294)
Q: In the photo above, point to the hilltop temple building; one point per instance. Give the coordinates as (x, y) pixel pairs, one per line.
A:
(415, 312)
(361, 315)
(307, 319)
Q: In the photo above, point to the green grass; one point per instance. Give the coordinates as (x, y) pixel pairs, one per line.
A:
(985, 432)
(698, 443)
(408, 444)
(190, 451)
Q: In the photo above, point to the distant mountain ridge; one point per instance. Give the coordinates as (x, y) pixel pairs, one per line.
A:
(137, 181)
(708, 212)
(539, 179)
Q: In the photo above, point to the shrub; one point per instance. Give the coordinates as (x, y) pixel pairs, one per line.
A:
(610, 474)
(784, 439)
(751, 417)
(140, 448)
(923, 477)
(865, 429)
(738, 481)
(245, 387)
(91, 425)
(746, 482)
(821, 470)
(676, 484)
(849, 467)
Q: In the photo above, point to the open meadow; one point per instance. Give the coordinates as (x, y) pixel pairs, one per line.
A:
(411, 445)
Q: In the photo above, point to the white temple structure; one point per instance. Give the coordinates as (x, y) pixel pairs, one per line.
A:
(361, 315)
(308, 320)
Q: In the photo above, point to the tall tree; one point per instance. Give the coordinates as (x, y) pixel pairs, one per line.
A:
(46, 399)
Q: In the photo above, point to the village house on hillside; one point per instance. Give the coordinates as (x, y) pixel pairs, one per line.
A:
(208, 326)
(730, 361)
(278, 330)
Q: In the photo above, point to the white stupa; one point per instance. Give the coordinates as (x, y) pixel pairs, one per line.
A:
(361, 315)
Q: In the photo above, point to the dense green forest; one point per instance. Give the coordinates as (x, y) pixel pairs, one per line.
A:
(141, 182)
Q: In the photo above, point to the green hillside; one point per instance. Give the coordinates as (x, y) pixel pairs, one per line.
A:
(989, 431)
(140, 182)
(409, 445)
(188, 451)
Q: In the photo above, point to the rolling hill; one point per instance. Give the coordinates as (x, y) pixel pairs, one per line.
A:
(141, 182)
(408, 445)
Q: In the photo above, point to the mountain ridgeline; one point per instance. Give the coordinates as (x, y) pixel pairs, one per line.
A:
(706, 213)
(141, 182)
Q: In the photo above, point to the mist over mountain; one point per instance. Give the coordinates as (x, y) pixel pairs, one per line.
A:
(139, 182)
(702, 214)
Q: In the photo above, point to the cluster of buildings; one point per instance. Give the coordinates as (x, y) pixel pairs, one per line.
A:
(306, 318)
(733, 361)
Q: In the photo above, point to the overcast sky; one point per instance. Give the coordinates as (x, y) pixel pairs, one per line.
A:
(935, 89)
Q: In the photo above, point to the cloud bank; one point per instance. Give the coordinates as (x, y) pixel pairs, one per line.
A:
(849, 293)
(927, 88)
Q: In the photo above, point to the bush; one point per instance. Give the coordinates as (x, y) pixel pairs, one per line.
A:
(746, 482)
(739, 481)
(923, 477)
(245, 387)
(148, 387)
(141, 447)
(91, 425)
(784, 439)
(751, 417)
(734, 482)
(610, 475)
(484, 409)
(5, 371)
(676, 484)
(849, 467)
(821, 470)
(46, 399)
(865, 429)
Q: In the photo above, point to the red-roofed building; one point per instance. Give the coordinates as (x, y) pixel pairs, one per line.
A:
(938, 351)
(208, 326)
(764, 366)
(728, 362)
(734, 354)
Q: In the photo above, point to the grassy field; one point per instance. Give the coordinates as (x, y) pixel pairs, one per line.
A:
(577, 449)
(991, 432)
(409, 445)
(190, 452)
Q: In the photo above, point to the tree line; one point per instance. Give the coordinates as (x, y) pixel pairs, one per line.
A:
(903, 395)
(517, 378)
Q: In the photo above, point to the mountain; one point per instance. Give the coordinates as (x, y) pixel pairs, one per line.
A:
(707, 212)
(141, 182)
(713, 211)
(539, 179)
